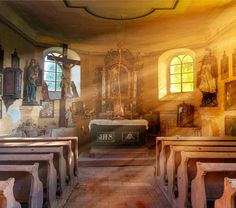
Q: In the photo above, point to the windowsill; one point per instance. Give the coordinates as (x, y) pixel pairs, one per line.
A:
(179, 96)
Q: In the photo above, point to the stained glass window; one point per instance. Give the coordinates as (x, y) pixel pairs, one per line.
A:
(181, 74)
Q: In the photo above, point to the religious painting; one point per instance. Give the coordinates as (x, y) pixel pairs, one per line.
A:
(234, 63)
(230, 95)
(47, 110)
(185, 115)
(78, 108)
(1, 84)
(230, 125)
(0, 109)
(224, 66)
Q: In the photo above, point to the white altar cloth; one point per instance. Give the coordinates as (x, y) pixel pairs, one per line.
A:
(125, 122)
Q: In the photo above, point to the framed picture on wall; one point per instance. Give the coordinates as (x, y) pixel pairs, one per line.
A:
(0, 109)
(230, 125)
(224, 66)
(234, 62)
(78, 108)
(47, 110)
(230, 95)
(1, 84)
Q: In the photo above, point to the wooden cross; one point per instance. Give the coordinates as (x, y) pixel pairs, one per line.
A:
(67, 64)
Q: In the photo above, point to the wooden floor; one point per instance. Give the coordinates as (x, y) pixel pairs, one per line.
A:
(117, 187)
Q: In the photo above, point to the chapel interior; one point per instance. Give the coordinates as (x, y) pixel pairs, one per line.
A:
(122, 81)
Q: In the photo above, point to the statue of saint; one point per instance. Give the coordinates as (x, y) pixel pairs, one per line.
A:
(31, 78)
(207, 80)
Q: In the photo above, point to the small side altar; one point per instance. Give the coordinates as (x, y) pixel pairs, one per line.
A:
(105, 132)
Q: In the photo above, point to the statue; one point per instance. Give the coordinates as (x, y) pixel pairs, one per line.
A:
(45, 93)
(207, 80)
(31, 80)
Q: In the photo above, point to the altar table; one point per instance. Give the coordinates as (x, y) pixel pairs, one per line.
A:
(106, 132)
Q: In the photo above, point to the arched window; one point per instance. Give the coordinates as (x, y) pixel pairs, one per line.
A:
(181, 74)
(53, 73)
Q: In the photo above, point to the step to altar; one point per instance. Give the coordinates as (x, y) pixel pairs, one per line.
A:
(118, 152)
(109, 157)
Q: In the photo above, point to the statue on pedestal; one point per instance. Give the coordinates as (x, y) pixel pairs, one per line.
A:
(31, 77)
(207, 80)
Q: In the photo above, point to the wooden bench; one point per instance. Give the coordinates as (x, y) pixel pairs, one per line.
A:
(74, 145)
(68, 154)
(58, 160)
(47, 172)
(227, 200)
(175, 159)
(28, 189)
(209, 182)
(187, 170)
(7, 199)
(163, 155)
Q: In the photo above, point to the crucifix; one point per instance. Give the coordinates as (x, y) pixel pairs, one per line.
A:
(67, 65)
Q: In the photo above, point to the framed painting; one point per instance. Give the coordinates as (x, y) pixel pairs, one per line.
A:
(78, 108)
(224, 66)
(47, 110)
(230, 125)
(1, 84)
(234, 63)
(0, 109)
(230, 95)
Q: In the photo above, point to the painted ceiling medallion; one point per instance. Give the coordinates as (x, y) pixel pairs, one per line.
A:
(121, 10)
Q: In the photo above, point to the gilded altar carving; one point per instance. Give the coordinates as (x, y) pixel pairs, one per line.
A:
(119, 83)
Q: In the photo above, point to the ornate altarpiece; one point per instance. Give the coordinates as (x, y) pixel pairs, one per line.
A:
(119, 85)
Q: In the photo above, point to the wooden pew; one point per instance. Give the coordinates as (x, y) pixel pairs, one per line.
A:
(187, 170)
(74, 145)
(227, 200)
(28, 189)
(47, 172)
(162, 157)
(68, 154)
(58, 160)
(174, 161)
(208, 185)
(7, 199)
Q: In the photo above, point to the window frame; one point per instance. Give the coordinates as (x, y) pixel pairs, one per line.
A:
(55, 73)
(181, 73)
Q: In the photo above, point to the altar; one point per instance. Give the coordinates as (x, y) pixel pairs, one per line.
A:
(118, 133)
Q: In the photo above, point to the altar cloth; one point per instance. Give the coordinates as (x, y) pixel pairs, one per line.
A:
(124, 122)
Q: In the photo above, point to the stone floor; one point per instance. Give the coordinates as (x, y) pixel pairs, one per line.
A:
(117, 187)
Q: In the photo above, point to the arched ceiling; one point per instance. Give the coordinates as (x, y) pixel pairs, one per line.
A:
(94, 25)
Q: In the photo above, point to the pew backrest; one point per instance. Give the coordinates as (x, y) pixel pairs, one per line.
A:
(7, 199)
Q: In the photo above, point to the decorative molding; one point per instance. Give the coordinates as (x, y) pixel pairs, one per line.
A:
(68, 4)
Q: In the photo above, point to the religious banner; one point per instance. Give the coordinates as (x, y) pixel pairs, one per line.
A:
(47, 110)
(224, 66)
(230, 95)
(234, 63)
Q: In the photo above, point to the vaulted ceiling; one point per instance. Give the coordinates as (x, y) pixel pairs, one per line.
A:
(95, 25)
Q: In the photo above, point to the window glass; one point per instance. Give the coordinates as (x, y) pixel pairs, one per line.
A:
(181, 74)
